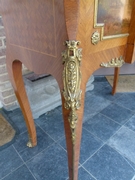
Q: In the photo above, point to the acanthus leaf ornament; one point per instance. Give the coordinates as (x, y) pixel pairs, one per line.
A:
(115, 62)
(72, 80)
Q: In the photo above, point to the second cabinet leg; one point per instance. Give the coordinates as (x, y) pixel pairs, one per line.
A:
(115, 81)
(15, 72)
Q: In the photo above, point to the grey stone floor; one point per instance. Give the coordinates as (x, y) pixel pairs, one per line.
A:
(108, 141)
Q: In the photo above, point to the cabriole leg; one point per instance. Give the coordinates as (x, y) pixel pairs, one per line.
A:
(72, 107)
(15, 73)
(73, 141)
(115, 81)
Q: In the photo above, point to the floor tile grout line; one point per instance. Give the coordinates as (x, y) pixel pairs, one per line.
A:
(94, 135)
(122, 125)
(37, 153)
(89, 173)
(114, 147)
(124, 107)
(45, 148)
(129, 119)
(23, 132)
(17, 167)
(30, 172)
(133, 111)
(18, 153)
(40, 152)
(57, 141)
(62, 147)
(101, 139)
(12, 171)
(25, 164)
(113, 134)
(93, 154)
(128, 129)
(127, 161)
(111, 100)
(47, 133)
(122, 156)
(104, 143)
(133, 178)
(113, 119)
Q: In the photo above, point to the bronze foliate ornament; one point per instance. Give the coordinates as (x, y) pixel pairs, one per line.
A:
(72, 81)
(115, 62)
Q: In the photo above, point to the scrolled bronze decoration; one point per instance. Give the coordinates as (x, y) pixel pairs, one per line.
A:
(72, 80)
(115, 62)
(95, 38)
(29, 144)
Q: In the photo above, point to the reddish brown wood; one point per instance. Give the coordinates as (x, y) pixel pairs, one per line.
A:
(71, 17)
(35, 33)
(115, 81)
(130, 55)
(74, 151)
(15, 72)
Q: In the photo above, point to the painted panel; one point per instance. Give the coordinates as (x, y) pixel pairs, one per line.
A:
(113, 16)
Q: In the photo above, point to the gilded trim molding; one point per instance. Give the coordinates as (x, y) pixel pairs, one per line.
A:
(102, 25)
(72, 81)
(115, 62)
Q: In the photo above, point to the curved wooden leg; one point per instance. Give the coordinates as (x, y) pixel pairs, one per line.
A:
(73, 148)
(15, 73)
(73, 103)
(115, 81)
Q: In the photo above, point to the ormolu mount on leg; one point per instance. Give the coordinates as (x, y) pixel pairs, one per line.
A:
(72, 80)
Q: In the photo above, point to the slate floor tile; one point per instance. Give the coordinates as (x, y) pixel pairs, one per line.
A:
(84, 175)
(21, 173)
(100, 79)
(50, 164)
(130, 162)
(43, 141)
(12, 112)
(59, 108)
(99, 83)
(9, 161)
(103, 117)
(98, 87)
(131, 123)
(127, 100)
(93, 105)
(106, 93)
(124, 142)
(101, 126)
(52, 125)
(108, 164)
(89, 145)
(18, 119)
(117, 113)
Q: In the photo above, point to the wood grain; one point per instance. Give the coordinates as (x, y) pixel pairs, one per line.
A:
(36, 31)
(130, 53)
(115, 81)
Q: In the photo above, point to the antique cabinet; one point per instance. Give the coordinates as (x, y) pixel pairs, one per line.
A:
(68, 39)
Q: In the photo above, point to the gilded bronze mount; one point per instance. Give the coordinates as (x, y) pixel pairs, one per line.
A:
(115, 62)
(72, 81)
